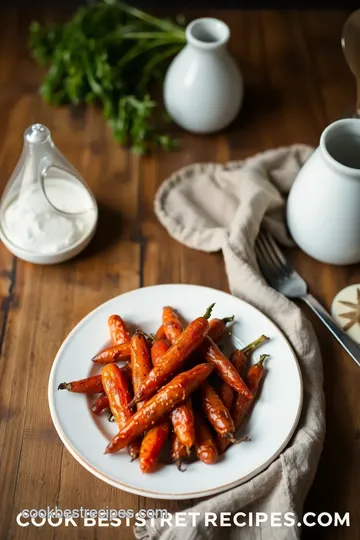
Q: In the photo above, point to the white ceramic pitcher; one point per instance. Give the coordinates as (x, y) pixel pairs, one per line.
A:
(203, 88)
(323, 209)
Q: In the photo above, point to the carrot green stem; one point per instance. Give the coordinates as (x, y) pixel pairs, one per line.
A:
(255, 344)
(263, 357)
(226, 320)
(208, 311)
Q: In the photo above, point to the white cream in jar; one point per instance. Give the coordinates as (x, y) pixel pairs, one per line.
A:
(31, 223)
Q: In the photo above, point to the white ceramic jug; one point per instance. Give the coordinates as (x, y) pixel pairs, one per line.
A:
(323, 209)
(203, 88)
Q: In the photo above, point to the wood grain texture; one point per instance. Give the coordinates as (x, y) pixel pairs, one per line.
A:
(296, 83)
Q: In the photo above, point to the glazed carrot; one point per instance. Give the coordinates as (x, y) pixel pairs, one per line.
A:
(117, 389)
(159, 405)
(90, 385)
(178, 451)
(215, 411)
(218, 327)
(158, 349)
(113, 354)
(205, 446)
(254, 377)
(241, 407)
(224, 367)
(171, 324)
(140, 367)
(152, 445)
(238, 358)
(100, 404)
(182, 418)
(185, 344)
(118, 331)
(226, 394)
(140, 360)
(160, 334)
(155, 438)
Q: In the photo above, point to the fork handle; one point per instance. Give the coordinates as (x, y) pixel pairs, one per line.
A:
(349, 345)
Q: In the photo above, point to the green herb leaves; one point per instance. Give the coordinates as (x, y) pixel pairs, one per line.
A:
(114, 55)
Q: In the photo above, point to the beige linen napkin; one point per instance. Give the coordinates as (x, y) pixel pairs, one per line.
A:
(215, 207)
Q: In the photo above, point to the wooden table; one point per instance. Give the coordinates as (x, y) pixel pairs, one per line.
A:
(297, 82)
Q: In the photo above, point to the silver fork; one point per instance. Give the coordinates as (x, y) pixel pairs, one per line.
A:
(280, 275)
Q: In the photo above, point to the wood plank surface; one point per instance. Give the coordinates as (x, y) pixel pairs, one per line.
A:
(296, 83)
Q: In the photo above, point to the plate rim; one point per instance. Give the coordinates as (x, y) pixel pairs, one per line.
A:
(145, 492)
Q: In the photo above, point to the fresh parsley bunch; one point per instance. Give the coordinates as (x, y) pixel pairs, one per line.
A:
(112, 54)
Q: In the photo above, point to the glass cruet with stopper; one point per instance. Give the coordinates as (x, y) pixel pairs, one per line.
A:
(47, 212)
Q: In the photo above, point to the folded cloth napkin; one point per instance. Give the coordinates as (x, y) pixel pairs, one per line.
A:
(215, 207)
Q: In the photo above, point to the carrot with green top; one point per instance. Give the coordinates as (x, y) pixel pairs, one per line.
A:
(218, 327)
(238, 358)
(242, 407)
(224, 367)
(171, 362)
(160, 405)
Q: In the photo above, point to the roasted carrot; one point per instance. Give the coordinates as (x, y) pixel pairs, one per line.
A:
(178, 451)
(185, 344)
(224, 367)
(100, 404)
(238, 358)
(140, 367)
(152, 445)
(241, 407)
(113, 354)
(254, 377)
(90, 385)
(205, 446)
(160, 334)
(226, 393)
(118, 331)
(117, 389)
(155, 438)
(215, 411)
(158, 349)
(140, 360)
(218, 327)
(182, 418)
(159, 405)
(171, 324)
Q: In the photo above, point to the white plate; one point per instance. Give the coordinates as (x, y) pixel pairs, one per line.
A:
(269, 427)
